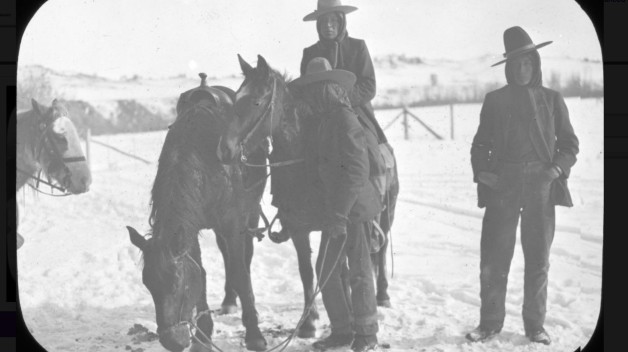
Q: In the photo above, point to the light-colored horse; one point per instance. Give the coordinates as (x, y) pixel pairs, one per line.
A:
(47, 142)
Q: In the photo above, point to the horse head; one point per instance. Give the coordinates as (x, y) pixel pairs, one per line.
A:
(58, 149)
(256, 116)
(175, 283)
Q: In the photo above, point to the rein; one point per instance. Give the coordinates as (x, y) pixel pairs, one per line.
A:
(38, 179)
(285, 343)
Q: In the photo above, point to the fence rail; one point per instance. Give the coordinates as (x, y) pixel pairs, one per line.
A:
(405, 121)
(89, 140)
(405, 116)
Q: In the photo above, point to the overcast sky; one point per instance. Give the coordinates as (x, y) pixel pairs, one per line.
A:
(168, 37)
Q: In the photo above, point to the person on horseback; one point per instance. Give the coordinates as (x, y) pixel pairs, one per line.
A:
(339, 156)
(350, 54)
(345, 53)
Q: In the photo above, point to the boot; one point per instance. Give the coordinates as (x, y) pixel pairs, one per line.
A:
(333, 341)
(540, 336)
(364, 343)
(481, 334)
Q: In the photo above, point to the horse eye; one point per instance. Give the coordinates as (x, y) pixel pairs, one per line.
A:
(257, 103)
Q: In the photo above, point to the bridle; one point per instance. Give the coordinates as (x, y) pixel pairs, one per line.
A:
(268, 113)
(190, 325)
(56, 156)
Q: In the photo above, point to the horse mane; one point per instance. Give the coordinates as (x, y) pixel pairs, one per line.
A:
(177, 196)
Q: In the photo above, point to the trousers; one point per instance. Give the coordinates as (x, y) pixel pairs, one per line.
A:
(349, 290)
(522, 193)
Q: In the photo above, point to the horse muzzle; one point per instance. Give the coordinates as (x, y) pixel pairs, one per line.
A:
(176, 338)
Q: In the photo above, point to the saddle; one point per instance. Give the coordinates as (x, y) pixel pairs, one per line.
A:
(211, 95)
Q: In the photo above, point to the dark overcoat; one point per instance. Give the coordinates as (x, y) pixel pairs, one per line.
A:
(551, 134)
(351, 55)
(343, 167)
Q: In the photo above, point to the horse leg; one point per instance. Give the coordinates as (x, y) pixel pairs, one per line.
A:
(229, 304)
(253, 221)
(205, 324)
(383, 300)
(242, 284)
(301, 241)
(379, 264)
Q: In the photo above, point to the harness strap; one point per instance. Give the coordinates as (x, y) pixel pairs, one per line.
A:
(40, 180)
(268, 111)
(257, 183)
(276, 164)
(74, 159)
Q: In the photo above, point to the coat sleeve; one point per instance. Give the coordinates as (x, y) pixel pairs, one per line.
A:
(567, 144)
(482, 147)
(354, 165)
(365, 87)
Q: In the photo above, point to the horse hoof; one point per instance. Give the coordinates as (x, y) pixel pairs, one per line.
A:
(308, 329)
(307, 333)
(384, 303)
(228, 309)
(258, 344)
(197, 347)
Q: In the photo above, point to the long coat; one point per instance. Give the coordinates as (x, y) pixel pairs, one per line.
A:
(343, 166)
(353, 56)
(552, 136)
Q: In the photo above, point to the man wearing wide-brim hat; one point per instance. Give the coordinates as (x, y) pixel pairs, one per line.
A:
(337, 150)
(346, 53)
(521, 157)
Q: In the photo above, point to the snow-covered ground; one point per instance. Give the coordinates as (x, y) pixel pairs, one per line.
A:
(80, 283)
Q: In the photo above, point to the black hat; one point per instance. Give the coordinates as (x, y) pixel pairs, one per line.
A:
(517, 42)
(327, 6)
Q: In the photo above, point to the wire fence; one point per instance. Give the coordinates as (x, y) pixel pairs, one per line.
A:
(405, 117)
(89, 140)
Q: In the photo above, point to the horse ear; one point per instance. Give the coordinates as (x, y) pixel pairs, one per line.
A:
(262, 65)
(246, 68)
(138, 240)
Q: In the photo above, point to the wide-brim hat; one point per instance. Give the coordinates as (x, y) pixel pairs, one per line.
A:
(319, 69)
(517, 42)
(327, 6)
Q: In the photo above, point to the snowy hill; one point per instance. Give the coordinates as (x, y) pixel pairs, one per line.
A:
(144, 104)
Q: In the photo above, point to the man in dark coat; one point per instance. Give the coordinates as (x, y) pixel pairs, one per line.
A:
(351, 202)
(345, 53)
(521, 157)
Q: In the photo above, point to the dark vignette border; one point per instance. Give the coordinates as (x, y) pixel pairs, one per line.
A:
(610, 34)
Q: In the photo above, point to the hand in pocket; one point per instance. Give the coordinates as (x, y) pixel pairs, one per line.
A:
(551, 173)
(490, 179)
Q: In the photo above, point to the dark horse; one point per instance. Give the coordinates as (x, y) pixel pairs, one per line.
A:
(266, 105)
(194, 191)
(47, 142)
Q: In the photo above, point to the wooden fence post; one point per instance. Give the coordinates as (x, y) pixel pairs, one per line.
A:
(451, 114)
(406, 125)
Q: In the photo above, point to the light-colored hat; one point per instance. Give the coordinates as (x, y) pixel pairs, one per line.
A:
(327, 6)
(517, 42)
(319, 69)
